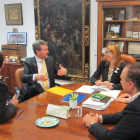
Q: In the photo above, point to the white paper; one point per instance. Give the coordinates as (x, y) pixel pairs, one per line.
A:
(100, 88)
(85, 89)
(112, 93)
(89, 101)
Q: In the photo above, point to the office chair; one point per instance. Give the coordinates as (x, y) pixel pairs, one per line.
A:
(20, 84)
(126, 58)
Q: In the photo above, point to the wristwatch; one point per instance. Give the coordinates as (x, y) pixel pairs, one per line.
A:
(91, 124)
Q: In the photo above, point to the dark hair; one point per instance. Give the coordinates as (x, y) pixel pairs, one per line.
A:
(133, 74)
(37, 45)
(1, 59)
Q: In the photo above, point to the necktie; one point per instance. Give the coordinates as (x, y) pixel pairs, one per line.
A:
(44, 71)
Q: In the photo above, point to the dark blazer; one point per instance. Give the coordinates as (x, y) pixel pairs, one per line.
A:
(6, 111)
(30, 68)
(103, 70)
(128, 124)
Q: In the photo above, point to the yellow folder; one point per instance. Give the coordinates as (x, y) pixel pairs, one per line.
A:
(59, 90)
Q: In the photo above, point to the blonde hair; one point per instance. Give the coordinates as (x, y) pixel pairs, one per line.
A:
(117, 53)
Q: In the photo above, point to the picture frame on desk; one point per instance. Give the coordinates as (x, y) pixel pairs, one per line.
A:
(13, 14)
(17, 38)
(13, 59)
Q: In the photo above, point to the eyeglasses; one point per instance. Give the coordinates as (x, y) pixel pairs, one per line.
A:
(108, 51)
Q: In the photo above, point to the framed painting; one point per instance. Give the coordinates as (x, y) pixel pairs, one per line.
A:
(13, 14)
(17, 38)
(64, 24)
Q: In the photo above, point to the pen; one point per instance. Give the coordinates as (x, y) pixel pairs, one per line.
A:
(20, 112)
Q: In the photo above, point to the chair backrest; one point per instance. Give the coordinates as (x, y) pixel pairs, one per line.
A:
(126, 58)
(18, 75)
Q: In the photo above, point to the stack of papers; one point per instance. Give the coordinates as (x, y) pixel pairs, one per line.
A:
(97, 105)
(100, 88)
(112, 93)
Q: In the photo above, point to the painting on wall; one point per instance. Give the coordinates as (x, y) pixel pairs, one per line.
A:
(13, 14)
(64, 24)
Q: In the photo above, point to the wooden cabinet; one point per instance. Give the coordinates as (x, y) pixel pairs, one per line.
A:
(8, 74)
(14, 50)
(119, 21)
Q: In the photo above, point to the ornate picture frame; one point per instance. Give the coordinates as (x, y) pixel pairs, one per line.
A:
(64, 24)
(13, 14)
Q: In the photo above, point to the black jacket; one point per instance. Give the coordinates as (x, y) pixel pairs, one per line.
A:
(6, 111)
(30, 68)
(103, 70)
(128, 124)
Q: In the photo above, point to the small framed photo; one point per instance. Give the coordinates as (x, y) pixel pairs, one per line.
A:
(13, 58)
(129, 34)
(135, 34)
(17, 38)
(121, 15)
(13, 14)
(139, 34)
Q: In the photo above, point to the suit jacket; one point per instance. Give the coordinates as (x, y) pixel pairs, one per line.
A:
(103, 70)
(128, 124)
(6, 111)
(30, 68)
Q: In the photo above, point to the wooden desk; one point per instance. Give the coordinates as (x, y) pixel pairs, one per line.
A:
(24, 127)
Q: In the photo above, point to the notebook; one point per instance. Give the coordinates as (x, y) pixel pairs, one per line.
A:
(81, 97)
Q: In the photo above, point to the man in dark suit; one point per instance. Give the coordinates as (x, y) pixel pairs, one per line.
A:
(128, 121)
(33, 76)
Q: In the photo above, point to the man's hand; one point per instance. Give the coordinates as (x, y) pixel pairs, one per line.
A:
(14, 100)
(90, 118)
(108, 84)
(98, 82)
(62, 71)
(41, 77)
(123, 98)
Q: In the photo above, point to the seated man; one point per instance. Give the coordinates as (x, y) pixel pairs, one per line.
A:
(6, 111)
(39, 71)
(128, 121)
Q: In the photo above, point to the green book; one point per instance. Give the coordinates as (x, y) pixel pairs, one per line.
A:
(97, 97)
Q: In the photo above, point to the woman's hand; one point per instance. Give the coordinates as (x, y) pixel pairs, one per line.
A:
(98, 82)
(108, 84)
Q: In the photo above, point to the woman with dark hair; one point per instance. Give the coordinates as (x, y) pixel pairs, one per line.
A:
(6, 110)
(111, 69)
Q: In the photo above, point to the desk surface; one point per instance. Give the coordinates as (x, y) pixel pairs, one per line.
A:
(24, 127)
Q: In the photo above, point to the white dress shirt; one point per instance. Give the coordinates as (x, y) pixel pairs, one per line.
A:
(133, 97)
(39, 65)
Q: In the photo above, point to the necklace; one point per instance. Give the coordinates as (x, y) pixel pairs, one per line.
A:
(110, 72)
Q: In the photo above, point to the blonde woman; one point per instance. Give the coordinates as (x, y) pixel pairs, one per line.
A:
(110, 69)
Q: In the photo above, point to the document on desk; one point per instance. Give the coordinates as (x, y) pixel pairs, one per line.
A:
(112, 93)
(85, 89)
(100, 88)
